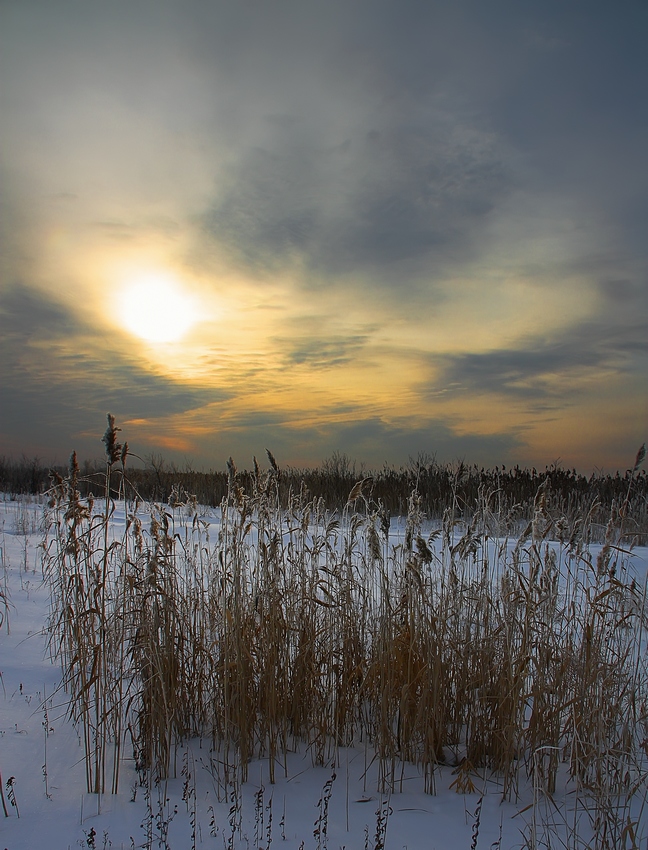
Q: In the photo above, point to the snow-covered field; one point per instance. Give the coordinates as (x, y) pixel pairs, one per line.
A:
(336, 806)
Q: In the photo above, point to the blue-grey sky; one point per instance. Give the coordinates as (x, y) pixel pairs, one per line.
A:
(374, 227)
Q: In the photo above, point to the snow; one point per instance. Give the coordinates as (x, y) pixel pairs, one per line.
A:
(43, 773)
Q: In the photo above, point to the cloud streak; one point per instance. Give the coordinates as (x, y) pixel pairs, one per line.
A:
(558, 369)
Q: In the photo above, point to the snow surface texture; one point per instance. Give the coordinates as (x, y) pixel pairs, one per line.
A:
(43, 773)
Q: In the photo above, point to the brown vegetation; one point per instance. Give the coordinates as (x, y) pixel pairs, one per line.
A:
(302, 627)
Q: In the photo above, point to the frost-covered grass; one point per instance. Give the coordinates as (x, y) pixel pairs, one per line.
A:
(252, 674)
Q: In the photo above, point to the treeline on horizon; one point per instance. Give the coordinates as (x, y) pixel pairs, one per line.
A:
(509, 493)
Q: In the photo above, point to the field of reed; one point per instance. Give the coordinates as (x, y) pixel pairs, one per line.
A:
(440, 487)
(471, 646)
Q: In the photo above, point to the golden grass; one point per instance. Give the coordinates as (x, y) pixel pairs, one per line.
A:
(305, 628)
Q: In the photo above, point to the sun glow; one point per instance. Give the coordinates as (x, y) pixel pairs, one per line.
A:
(155, 308)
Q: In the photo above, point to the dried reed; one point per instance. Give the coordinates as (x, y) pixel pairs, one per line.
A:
(299, 626)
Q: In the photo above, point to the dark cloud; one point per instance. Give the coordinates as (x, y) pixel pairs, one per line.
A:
(575, 110)
(422, 122)
(321, 352)
(544, 370)
(622, 291)
(60, 377)
(389, 195)
(353, 155)
(26, 314)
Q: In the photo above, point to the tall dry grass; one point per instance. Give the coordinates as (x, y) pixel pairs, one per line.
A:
(441, 487)
(520, 658)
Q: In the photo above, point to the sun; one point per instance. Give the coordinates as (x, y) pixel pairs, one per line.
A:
(155, 308)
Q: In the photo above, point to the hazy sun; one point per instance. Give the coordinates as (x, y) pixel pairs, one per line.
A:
(155, 308)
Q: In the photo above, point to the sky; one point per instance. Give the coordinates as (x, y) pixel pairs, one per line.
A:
(381, 228)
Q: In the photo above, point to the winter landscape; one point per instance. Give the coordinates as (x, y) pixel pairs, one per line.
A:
(274, 672)
(402, 245)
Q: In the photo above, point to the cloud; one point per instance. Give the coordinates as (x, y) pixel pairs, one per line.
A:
(60, 377)
(321, 352)
(27, 314)
(383, 196)
(356, 185)
(376, 438)
(369, 440)
(543, 370)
